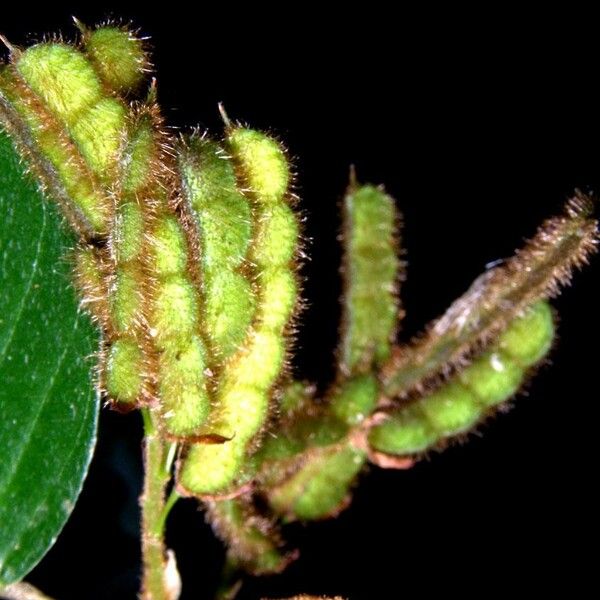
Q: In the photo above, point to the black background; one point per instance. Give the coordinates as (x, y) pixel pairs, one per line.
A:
(480, 125)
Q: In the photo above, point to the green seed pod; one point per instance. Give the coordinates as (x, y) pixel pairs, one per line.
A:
(118, 57)
(253, 542)
(53, 156)
(98, 133)
(169, 247)
(182, 387)
(296, 397)
(293, 444)
(126, 300)
(128, 251)
(493, 378)
(263, 163)
(320, 488)
(62, 77)
(460, 404)
(128, 232)
(224, 218)
(90, 279)
(405, 432)
(223, 213)
(244, 391)
(451, 410)
(528, 340)
(229, 308)
(175, 312)
(68, 85)
(355, 399)
(371, 271)
(172, 304)
(155, 303)
(124, 374)
(536, 272)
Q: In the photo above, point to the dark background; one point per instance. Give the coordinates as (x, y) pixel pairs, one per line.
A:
(480, 125)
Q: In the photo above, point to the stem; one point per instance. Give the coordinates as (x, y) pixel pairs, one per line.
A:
(157, 462)
(22, 591)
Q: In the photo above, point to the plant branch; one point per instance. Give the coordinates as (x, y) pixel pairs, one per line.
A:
(160, 578)
(22, 591)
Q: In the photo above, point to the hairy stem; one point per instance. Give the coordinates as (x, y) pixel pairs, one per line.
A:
(158, 582)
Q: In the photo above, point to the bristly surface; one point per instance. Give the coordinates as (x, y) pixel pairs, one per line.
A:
(538, 270)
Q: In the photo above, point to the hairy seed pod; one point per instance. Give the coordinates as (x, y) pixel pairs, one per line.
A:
(128, 250)
(535, 272)
(224, 220)
(244, 390)
(159, 305)
(307, 470)
(253, 542)
(53, 156)
(460, 404)
(69, 86)
(91, 281)
(320, 487)
(117, 55)
(355, 399)
(371, 272)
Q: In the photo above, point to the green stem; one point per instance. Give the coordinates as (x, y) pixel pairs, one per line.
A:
(157, 460)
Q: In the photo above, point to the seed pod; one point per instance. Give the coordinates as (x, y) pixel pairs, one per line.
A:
(307, 469)
(253, 542)
(117, 55)
(457, 406)
(91, 281)
(494, 300)
(223, 216)
(53, 156)
(355, 399)
(70, 88)
(244, 390)
(153, 259)
(371, 272)
(319, 487)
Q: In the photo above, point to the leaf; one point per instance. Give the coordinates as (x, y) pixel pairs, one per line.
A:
(48, 410)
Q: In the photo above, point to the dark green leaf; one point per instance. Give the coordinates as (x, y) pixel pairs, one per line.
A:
(48, 410)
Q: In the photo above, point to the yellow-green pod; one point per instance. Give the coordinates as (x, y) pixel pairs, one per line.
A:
(460, 404)
(63, 77)
(124, 371)
(69, 86)
(223, 217)
(244, 392)
(99, 133)
(528, 339)
(355, 399)
(320, 488)
(263, 163)
(182, 388)
(118, 57)
(253, 543)
(371, 270)
(55, 158)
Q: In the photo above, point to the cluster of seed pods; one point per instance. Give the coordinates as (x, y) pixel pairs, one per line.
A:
(187, 259)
